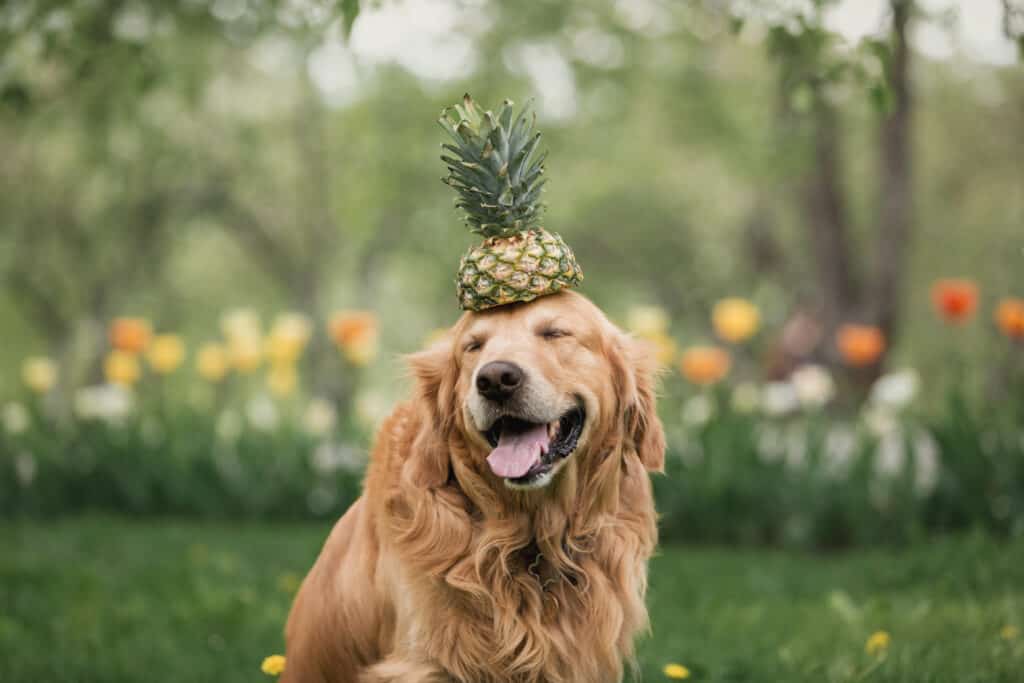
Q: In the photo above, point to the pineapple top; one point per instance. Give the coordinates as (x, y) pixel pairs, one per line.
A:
(493, 167)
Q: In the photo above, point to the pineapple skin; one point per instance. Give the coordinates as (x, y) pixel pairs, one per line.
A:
(516, 269)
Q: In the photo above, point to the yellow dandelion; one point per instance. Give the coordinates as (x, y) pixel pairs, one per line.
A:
(39, 374)
(166, 353)
(878, 643)
(677, 671)
(273, 665)
(121, 367)
(1009, 632)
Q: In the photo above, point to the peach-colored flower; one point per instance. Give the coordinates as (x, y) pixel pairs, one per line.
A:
(355, 333)
(705, 365)
(955, 299)
(1010, 317)
(131, 335)
(860, 345)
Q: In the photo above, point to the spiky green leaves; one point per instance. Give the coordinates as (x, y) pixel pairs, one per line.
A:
(493, 167)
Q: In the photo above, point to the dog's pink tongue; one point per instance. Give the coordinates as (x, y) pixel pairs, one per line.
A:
(517, 453)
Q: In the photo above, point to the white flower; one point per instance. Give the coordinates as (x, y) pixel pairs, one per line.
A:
(796, 447)
(839, 449)
(927, 464)
(890, 455)
(895, 390)
(262, 413)
(879, 422)
(814, 386)
(771, 443)
(320, 417)
(779, 399)
(746, 398)
(698, 410)
(330, 457)
(372, 408)
(110, 402)
(15, 418)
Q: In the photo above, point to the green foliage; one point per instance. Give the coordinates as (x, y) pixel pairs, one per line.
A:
(494, 170)
(121, 601)
(176, 462)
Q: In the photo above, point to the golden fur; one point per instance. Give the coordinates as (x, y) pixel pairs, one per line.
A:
(441, 573)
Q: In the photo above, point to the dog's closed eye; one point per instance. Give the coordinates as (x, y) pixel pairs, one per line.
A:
(553, 333)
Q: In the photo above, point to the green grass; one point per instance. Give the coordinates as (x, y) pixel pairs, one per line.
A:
(110, 600)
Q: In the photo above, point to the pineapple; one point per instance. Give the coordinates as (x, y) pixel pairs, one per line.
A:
(499, 180)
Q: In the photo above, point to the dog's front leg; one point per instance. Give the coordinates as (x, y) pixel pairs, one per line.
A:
(402, 670)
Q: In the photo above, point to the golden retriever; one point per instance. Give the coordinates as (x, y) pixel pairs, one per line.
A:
(507, 517)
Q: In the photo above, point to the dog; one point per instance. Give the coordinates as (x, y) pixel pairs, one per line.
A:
(507, 517)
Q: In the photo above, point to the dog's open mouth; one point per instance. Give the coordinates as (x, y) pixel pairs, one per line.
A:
(525, 451)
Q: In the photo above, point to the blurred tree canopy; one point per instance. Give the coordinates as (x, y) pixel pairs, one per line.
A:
(174, 159)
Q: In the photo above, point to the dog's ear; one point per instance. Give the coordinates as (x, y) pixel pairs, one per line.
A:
(635, 370)
(435, 373)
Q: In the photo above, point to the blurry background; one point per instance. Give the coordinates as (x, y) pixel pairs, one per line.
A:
(230, 213)
(222, 222)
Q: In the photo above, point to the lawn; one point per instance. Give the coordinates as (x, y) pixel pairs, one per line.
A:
(101, 599)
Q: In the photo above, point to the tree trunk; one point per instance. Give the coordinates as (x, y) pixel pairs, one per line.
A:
(827, 220)
(895, 193)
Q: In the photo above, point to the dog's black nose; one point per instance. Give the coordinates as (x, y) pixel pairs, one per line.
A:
(499, 380)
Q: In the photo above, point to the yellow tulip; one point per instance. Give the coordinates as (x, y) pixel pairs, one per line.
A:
(39, 374)
(166, 353)
(212, 362)
(647, 321)
(735, 320)
(246, 353)
(122, 367)
(282, 379)
(288, 338)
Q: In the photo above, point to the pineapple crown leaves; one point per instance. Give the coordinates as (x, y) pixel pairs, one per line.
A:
(493, 167)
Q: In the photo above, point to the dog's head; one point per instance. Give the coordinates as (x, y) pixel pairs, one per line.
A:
(533, 389)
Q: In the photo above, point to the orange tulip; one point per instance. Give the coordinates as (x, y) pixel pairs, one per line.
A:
(955, 300)
(705, 365)
(1010, 318)
(352, 327)
(860, 345)
(131, 335)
